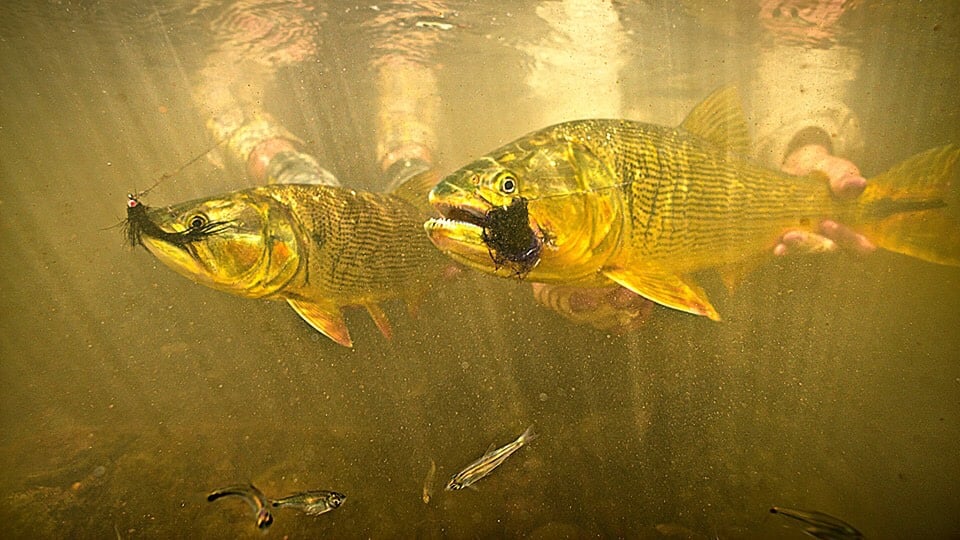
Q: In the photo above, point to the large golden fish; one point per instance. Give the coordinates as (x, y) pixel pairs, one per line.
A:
(591, 202)
(320, 248)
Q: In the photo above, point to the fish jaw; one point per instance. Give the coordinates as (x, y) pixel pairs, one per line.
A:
(459, 233)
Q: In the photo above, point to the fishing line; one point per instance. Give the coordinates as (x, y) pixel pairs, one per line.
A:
(137, 195)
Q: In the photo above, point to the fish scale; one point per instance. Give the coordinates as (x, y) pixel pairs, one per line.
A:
(688, 202)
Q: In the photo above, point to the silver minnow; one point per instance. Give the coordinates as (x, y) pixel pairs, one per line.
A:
(254, 498)
(488, 462)
(820, 525)
(313, 503)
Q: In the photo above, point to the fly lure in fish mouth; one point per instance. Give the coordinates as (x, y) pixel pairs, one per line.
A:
(138, 224)
(511, 241)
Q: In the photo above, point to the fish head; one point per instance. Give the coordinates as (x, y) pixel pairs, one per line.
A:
(538, 207)
(264, 519)
(243, 242)
(335, 499)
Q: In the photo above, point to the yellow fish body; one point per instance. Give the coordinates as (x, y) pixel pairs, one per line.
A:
(320, 248)
(647, 207)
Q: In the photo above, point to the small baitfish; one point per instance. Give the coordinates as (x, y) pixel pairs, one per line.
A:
(595, 202)
(253, 496)
(320, 248)
(313, 503)
(488, 462)
(820, 525)
(427, 492)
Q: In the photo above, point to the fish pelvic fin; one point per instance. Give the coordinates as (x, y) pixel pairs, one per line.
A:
(380, 319)
(664, 288)
(914, 208)
(326, 319)
(719, 119)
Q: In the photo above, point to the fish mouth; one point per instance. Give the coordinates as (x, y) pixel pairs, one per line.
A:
(498, 240)
(459, 233)
(471, 215)
(144, 226)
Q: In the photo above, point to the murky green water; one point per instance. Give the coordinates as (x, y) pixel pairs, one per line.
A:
(130, 392)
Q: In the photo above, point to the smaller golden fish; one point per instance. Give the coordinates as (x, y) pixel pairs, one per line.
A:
(488, 462)
(254, 498)
(312, 503)
(319, 248)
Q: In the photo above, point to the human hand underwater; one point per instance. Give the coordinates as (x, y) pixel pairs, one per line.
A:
(611, 308)
(846, 182)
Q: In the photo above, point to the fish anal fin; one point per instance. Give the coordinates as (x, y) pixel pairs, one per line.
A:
(734, 274)
(326, 319)
(413, 306)
(664, 288)
(719, 119)
(380, 319)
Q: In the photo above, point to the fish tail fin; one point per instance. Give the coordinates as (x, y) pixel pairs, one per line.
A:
(914, 208)
(527, 436)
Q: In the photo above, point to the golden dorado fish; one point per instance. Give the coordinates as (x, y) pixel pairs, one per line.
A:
(320, 248)
(591, 202)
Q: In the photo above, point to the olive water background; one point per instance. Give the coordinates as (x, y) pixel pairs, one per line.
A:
(129, 392)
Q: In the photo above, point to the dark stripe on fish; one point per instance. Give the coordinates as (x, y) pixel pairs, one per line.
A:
(885, 208)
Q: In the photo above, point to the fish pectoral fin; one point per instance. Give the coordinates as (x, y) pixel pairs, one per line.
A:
(381, 320)
(325, 319)
(664, 288)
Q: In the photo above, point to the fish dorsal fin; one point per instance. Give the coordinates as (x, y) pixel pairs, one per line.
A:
(325, 319)
(415, 188)
(664, 288)
(381, 320)
(720, 120)
(491, 449)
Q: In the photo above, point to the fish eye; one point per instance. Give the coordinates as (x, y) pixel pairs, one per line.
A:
(197, 221)
(508, 183)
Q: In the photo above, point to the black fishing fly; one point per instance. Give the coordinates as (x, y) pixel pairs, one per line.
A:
(138, 224)
(511, 241)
